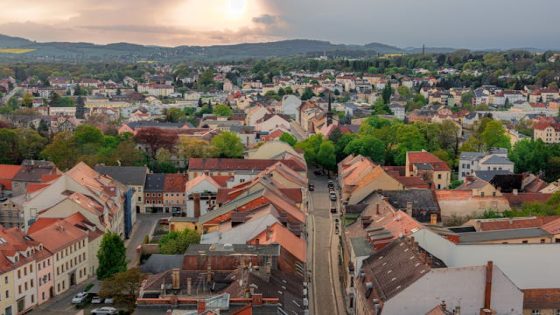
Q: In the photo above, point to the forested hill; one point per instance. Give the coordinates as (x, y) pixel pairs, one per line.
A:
(20, 49)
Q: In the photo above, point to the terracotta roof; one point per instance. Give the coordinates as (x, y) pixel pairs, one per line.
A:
(552, 227)
(7, 173)
(58, 235)
(278, 234)
(174, 183)
(412, 182)
(219, 164)
(423, 157)
(541, 299)
(516, 223)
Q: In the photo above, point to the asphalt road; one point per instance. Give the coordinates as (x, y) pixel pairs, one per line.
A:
(143, 226)
(326, 295)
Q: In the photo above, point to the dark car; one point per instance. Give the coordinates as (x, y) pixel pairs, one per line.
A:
(311, 187)
(333, 196)
(333, 209)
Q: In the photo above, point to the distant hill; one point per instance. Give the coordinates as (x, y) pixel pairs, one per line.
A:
(66, 51)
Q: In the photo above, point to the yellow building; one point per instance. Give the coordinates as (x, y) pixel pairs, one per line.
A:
(7, 292)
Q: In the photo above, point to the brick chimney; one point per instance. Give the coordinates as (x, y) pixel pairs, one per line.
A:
(176, 279)
(487, 309)
(201, 306)
(189, 286)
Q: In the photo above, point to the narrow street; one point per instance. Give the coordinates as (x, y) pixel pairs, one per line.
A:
(326, 297)
(143, 226)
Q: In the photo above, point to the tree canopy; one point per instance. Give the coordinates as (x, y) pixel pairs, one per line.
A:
(111, 256)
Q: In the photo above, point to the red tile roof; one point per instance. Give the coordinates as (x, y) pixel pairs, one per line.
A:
(218, 164)
(516, 200)
(174, 183)
(412, 182)
(428, 158)
(516, 223)
(7, 173)
(58, 235)
(541, 299)
(278, 234)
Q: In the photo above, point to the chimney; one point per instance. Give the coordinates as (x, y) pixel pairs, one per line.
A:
(377, 209)
(268, 233)
(488, 290)
(433, 219)
(409, 208)
(201, 306)
(443, 306)
(175, 279)
(189, 286)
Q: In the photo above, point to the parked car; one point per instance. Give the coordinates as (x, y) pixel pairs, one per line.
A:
(331, 184)
(79, 298)
(109, 301)
(333, 209)
(105, 310)
(333, 197)
(96, 300)
(317, 172)
(311, 187)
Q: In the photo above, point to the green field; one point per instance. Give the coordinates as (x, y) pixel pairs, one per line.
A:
(15, 51)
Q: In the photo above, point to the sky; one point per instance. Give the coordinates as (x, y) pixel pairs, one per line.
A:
(473, 24)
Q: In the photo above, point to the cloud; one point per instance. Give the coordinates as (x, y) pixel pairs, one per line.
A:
(266, 19)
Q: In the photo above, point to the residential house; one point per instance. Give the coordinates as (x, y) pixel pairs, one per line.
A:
(153, 192)
(429, 167)
(547, 130)
(495, 159)
(201, 192)
(290, 105)
(33, 172)
(174, 193)
(273, 121)
(134, 178)
(7, 174)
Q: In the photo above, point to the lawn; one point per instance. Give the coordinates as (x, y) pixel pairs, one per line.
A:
(15, 50)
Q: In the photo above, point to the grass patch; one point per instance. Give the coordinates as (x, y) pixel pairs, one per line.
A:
(17, 51)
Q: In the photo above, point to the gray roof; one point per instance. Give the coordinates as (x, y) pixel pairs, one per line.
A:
(422, 199)
(159, 263)
(361, 246)
(471, 156)
(498, 235)
(232, 250)
(489, 175)
(127, 175)
(154, 182)
(497, 159)
(153, 123)
(232, 205)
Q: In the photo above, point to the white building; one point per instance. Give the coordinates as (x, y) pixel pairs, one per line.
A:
(495, 160)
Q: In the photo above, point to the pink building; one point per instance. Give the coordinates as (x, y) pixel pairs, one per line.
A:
(45, 283)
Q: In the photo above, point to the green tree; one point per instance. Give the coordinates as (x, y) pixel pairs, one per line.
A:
(111, 256)
(307, 94)
(61, 151)
(123, 287)
(494, 135)
(386, 93)
(222, 110)
(310, 148)
(8, 146)
(326, 156)
(228, 145)
(27, 100)
(30, 143)
(176, 243)
(368, 146)
(288, 138)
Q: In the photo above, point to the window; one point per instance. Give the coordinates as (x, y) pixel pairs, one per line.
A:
(19, 274)
(525, 242)
(536, 312)
(557, 312)
(542, 240)
(7, 294)
(6, 280)
(439, 176)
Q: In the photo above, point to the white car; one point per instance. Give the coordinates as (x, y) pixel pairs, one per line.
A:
(96, 300)
(79, 298)
(105, 310)
(109, 301)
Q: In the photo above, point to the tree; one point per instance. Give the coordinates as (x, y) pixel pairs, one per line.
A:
(61, 151)
(80, 108)
(326, 156)
(288, 138)
(190, 147)
(228, 145)
(222, 110)
(8, 146)
(155, 139)
(307, 94)
(386, 93)
(27, 100)
(55, 100)
(126, 154)
(176, 243)
(30, 143)
(310, 148)
(111, 256)
(368, 146)
(123, 287)
(494, 135)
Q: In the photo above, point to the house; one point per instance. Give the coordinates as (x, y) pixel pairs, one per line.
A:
(398, 110)
(174, 193)
(273, 121)
(495, 159)
(101, 199)
(273, 150)
(393, 278)
(20, 257)
(69, 246)
(153, 192)
(33, 172)
(133, 177)
(201, 192)
(7, 174)
(154, 89)
(430, 167)
(547, 130)
(240, 169)
(254, 114)
(456, 204)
